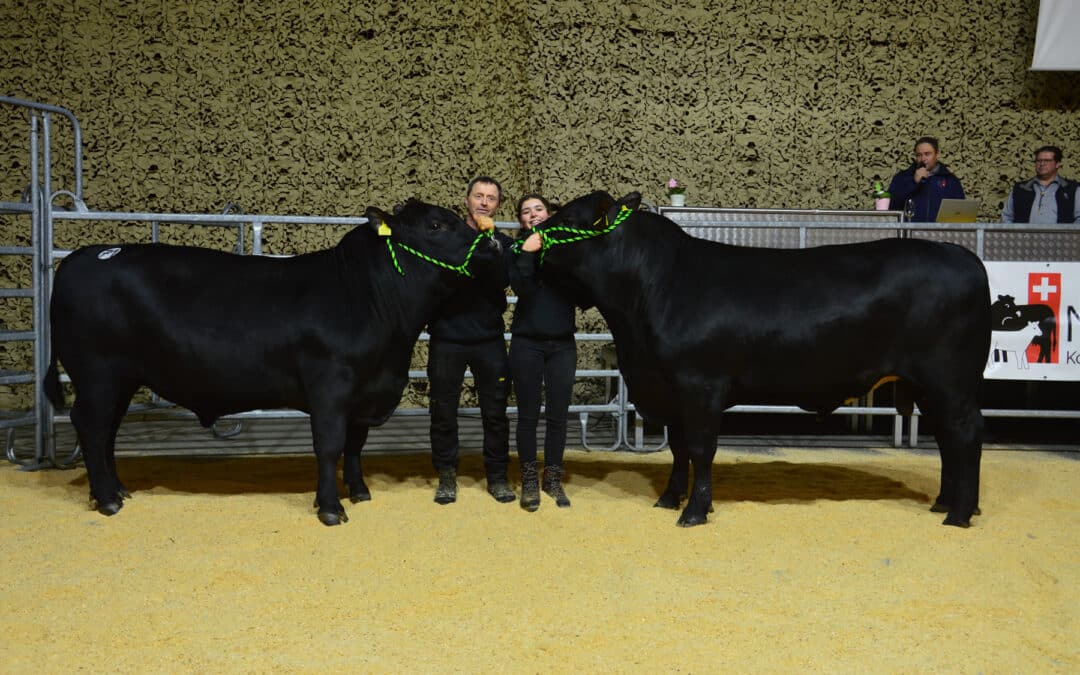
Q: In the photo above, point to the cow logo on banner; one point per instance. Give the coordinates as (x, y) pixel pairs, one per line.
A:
(1030, 304)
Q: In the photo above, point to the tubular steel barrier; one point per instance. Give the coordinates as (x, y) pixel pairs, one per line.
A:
(618, 408)
(43, 215)
(784, 228)
(788, 228)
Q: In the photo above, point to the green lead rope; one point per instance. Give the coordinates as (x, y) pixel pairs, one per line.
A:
(462, 269)
(576, 234)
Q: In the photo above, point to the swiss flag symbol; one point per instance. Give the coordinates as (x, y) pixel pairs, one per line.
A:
(1044, 288)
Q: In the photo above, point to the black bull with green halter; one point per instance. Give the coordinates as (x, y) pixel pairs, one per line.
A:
(330, 333)
(701, 326)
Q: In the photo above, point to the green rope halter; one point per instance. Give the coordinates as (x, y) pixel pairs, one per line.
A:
(576, 234)
(462, 269)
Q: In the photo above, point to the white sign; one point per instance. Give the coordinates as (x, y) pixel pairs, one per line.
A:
(1035, 316)
(1056, 47)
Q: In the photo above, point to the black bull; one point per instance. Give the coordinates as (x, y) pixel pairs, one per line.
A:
(330, 333)
(701, 326)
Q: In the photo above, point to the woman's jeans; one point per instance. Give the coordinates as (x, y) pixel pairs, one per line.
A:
(538, 365)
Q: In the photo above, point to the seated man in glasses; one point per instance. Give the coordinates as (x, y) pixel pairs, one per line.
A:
(1046, 198)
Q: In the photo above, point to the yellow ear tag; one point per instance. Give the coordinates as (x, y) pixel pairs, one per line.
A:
(384, 230)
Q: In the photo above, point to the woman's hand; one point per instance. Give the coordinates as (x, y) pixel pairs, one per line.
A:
(532, 243)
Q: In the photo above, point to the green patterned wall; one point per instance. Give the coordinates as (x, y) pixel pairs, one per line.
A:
(327, 106)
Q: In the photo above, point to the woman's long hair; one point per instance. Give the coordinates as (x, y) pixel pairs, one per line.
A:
(552, 208)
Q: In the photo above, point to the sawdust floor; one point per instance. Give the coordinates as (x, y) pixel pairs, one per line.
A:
(813, 561)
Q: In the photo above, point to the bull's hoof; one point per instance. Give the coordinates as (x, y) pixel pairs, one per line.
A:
(333, 517)
(667, 501)
(690, 520)
(358, 496)
(940, 507)
(109, 508)
(957, 521)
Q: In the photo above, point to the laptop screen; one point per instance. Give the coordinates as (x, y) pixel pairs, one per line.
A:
(958, 210)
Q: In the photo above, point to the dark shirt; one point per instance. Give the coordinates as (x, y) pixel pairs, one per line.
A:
(542, 312)
(925, 196)
(475, 313)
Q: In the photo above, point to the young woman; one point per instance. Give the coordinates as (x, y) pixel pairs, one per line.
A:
(543, 357)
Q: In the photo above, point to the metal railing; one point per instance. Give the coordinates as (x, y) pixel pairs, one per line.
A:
(748, 227)
(791, 228)
(38, 197)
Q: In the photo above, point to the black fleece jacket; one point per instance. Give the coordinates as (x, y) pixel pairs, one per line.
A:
(542, 313)
(475, 313)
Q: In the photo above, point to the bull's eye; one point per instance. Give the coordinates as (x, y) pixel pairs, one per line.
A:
(436, 225)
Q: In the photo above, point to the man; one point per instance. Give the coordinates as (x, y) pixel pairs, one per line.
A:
(919, 189)
(1046, 198)
(469, 333)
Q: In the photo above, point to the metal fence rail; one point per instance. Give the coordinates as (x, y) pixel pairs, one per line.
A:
(789, 228)
(748, 227)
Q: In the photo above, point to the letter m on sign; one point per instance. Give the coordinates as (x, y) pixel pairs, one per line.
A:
(1044, 288)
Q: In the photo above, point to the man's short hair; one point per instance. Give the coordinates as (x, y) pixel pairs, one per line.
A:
(930, 140)
(484, 179)
(1049, 148)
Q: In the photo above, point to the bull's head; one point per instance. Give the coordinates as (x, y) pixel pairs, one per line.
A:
(591, 215)
(433, 234)
(584, 218)
(575, 235)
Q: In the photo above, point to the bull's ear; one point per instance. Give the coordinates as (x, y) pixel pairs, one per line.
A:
(630, 202)
(378, 221)
(601, 204)
(411, 201)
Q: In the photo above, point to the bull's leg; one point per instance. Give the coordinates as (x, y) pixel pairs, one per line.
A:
(96, 414)
(701, 447)
(680, 469)
(958, 432)
(351, 472)
(961, 456)
(328, 434)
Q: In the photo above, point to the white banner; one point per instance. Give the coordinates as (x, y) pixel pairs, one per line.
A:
(1056, 46)
(1035, 310)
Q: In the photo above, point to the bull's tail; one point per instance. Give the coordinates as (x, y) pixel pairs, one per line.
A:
(52, 385)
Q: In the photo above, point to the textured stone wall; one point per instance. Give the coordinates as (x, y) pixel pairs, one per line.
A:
(327, 106)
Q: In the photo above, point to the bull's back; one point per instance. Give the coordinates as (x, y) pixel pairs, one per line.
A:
(791, 295)
(791, 322)
(200, 327)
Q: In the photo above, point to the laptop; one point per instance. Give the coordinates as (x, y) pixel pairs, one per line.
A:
(958, 210)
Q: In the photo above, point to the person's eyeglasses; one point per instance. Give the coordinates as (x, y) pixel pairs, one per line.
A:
(1046, 161)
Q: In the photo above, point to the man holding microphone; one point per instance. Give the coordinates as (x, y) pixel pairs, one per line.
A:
(919, 189)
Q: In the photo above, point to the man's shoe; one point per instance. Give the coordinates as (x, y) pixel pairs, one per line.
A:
(446, 493)
(499, 488)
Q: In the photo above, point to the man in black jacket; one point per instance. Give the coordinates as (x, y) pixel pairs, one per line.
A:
(469, 333)
(1046, 198)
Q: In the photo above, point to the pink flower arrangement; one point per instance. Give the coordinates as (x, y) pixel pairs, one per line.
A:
(673, 187)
